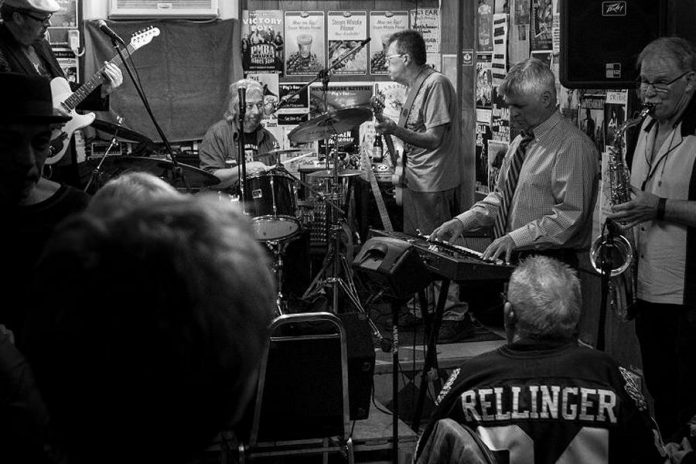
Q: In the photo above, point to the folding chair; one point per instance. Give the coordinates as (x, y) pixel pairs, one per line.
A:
(301, 405)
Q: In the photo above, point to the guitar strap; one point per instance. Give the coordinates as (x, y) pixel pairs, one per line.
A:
(406, 109)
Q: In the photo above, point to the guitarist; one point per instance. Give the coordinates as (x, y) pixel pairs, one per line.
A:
(24, 48)
(429, 127)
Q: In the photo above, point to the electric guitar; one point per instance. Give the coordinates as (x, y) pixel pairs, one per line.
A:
(376, 192)
(399, 162)
(66, 100)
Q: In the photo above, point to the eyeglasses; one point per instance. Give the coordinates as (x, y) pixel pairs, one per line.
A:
(389, 57)
(659, 86)
(251, 106)
(40, 19)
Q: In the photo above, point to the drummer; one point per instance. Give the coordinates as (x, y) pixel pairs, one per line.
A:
(218, 151)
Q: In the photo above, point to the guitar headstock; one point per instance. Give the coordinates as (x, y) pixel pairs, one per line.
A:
(377, 102)
(144, 37)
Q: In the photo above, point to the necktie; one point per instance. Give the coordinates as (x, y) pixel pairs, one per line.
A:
(510, 185)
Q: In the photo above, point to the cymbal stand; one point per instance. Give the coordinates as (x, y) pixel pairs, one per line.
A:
(335, 265)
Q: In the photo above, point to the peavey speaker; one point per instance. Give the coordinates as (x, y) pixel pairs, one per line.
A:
(393, 265)
(601, 40)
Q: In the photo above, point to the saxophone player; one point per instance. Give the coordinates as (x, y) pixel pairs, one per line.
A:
(662, 214)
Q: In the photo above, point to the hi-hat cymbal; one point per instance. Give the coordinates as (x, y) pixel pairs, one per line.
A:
(119, 131)
(328, 124)
(163, 168)
(324, 173)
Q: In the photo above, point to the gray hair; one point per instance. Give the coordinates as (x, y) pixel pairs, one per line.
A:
(545, 296)
(250, 85)
(680, 51)
(528, 77)
(129, 190)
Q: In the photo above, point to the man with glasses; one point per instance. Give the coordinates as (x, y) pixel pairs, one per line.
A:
(24, 48)
(429, 128)
(662, 214)
(218, 151)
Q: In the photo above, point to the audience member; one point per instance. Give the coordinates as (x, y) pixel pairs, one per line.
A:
(23, 415)
(542, 398)
(128, 191)
(32, 205)
(148, 329)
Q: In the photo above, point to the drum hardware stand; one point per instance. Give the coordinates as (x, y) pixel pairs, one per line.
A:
(97, 171)
(278, 248)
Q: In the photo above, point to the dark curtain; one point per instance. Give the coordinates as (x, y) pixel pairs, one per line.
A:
(184, 71)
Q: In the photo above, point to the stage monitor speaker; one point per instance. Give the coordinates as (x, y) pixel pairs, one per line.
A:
(601, 40)
(393, 265)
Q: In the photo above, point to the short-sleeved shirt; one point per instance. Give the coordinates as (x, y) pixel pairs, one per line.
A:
(439, 169)
(219, 146)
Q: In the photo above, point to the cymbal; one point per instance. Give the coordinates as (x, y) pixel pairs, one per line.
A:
(328, 124)
(163, 168)
(324, 173)
(119, 131)
(284, 151)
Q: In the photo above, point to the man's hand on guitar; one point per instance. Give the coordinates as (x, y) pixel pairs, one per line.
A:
(114, 78)
(385, 126)
(448, 231)
(501, 246)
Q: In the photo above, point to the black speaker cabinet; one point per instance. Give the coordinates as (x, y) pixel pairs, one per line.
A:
(601, 40)
(361, 363)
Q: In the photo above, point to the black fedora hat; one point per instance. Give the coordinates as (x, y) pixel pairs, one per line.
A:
(27, 99)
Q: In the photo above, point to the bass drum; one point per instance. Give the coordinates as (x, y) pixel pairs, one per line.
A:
(272, 204)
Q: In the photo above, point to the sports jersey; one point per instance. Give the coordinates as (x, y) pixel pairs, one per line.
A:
(544, 403)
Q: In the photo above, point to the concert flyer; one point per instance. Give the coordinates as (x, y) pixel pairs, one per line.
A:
(305, 49)
(346, 30)
(262, 41)
(484, 17)
(542, 25)
(427, 22)
(382, 25)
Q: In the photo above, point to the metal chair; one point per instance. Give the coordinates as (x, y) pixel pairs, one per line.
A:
(301, 405)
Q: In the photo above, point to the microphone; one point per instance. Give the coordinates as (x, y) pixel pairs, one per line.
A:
(242, 100)
(364, 42)
(110, 32)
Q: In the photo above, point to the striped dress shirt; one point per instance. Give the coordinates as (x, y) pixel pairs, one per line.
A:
(555, 196)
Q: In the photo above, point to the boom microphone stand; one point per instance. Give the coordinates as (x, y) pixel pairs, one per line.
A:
(241, 154)
(178, 172)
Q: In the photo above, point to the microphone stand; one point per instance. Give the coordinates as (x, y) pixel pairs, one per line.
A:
(177, 171)
(97, 170)
(606, 265)
(241, 154)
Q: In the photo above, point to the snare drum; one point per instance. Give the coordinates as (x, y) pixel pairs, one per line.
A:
(272, 204)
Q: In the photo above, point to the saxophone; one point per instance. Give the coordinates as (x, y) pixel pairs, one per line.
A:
(611, 249)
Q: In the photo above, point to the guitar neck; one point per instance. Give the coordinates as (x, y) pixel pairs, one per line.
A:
(88, 87)
(377, 193)
(390, 146)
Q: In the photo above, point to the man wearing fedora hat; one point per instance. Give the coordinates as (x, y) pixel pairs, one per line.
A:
(25, 50)
(31, 204)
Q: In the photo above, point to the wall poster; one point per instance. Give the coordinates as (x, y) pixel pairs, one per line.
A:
(346, 30)
(262, 41)
(305, 49)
